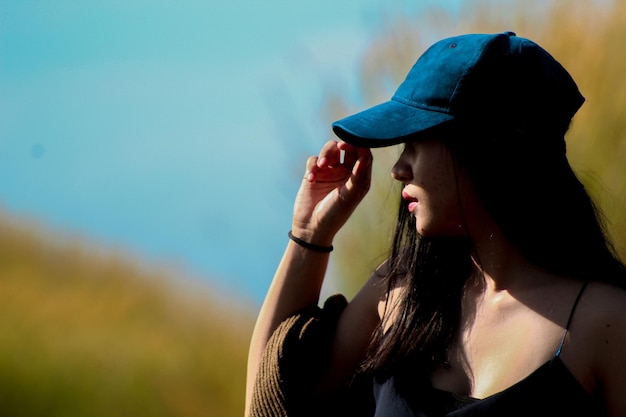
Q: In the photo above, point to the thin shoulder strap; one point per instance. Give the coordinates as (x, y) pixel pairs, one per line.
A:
(569, 320)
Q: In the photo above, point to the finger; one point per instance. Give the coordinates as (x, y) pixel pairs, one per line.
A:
(310, 173)
(330, 155)
(351, 153)
(360, 178)
(362, 170)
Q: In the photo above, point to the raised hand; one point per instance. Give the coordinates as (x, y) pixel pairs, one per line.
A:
(334, 183)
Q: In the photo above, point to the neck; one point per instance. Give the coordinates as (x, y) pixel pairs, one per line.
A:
(499, 265)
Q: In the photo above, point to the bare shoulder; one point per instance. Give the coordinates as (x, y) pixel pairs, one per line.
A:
(603, 314)
(604, 305)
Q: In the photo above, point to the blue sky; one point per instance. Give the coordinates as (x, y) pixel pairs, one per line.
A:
(173, 130)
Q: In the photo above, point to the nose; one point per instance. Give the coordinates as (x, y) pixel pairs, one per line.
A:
(401, 171)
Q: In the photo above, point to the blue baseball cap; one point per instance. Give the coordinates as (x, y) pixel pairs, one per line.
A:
(496, 81)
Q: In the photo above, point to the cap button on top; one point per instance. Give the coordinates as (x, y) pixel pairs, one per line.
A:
(509, 33)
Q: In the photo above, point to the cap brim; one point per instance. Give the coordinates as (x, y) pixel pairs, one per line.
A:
(387, 124)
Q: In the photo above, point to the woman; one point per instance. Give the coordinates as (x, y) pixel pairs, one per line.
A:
(502, 295)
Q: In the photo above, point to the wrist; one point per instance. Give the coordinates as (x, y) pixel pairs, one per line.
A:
(308, 245)
(314, 237)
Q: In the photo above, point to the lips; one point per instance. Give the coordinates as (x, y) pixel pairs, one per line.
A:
(410, 199)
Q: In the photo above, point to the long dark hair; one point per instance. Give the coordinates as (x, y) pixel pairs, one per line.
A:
(526, 183)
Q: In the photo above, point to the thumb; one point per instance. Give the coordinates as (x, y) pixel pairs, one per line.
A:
(362, 171)
(360, 179)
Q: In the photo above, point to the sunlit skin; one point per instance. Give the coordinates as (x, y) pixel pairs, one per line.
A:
(506, 299)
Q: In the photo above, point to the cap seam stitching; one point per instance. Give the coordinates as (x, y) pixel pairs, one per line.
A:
(468, 69)
(421, 106)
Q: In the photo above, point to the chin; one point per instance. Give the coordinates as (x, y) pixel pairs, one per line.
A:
(434, 233)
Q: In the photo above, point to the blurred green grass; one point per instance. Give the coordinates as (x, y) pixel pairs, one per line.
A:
(92, 334)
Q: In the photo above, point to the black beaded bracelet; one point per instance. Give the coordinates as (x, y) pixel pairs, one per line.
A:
(311, 246)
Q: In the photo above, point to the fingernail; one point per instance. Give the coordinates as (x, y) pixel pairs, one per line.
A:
(321, 162)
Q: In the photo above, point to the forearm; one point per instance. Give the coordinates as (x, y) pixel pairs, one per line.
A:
(331, 189)
(296, 285)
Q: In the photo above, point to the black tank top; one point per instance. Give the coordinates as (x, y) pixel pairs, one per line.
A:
(551, 390)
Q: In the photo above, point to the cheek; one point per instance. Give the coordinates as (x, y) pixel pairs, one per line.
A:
(440, 211)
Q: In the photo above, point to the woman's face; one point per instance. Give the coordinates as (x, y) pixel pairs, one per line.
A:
(430, 177)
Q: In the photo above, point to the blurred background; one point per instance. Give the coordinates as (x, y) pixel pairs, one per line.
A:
(150, 153)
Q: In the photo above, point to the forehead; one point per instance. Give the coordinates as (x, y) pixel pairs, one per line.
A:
(425, 144)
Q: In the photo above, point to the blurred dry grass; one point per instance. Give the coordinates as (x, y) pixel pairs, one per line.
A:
(85, 334)
(586, 37)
